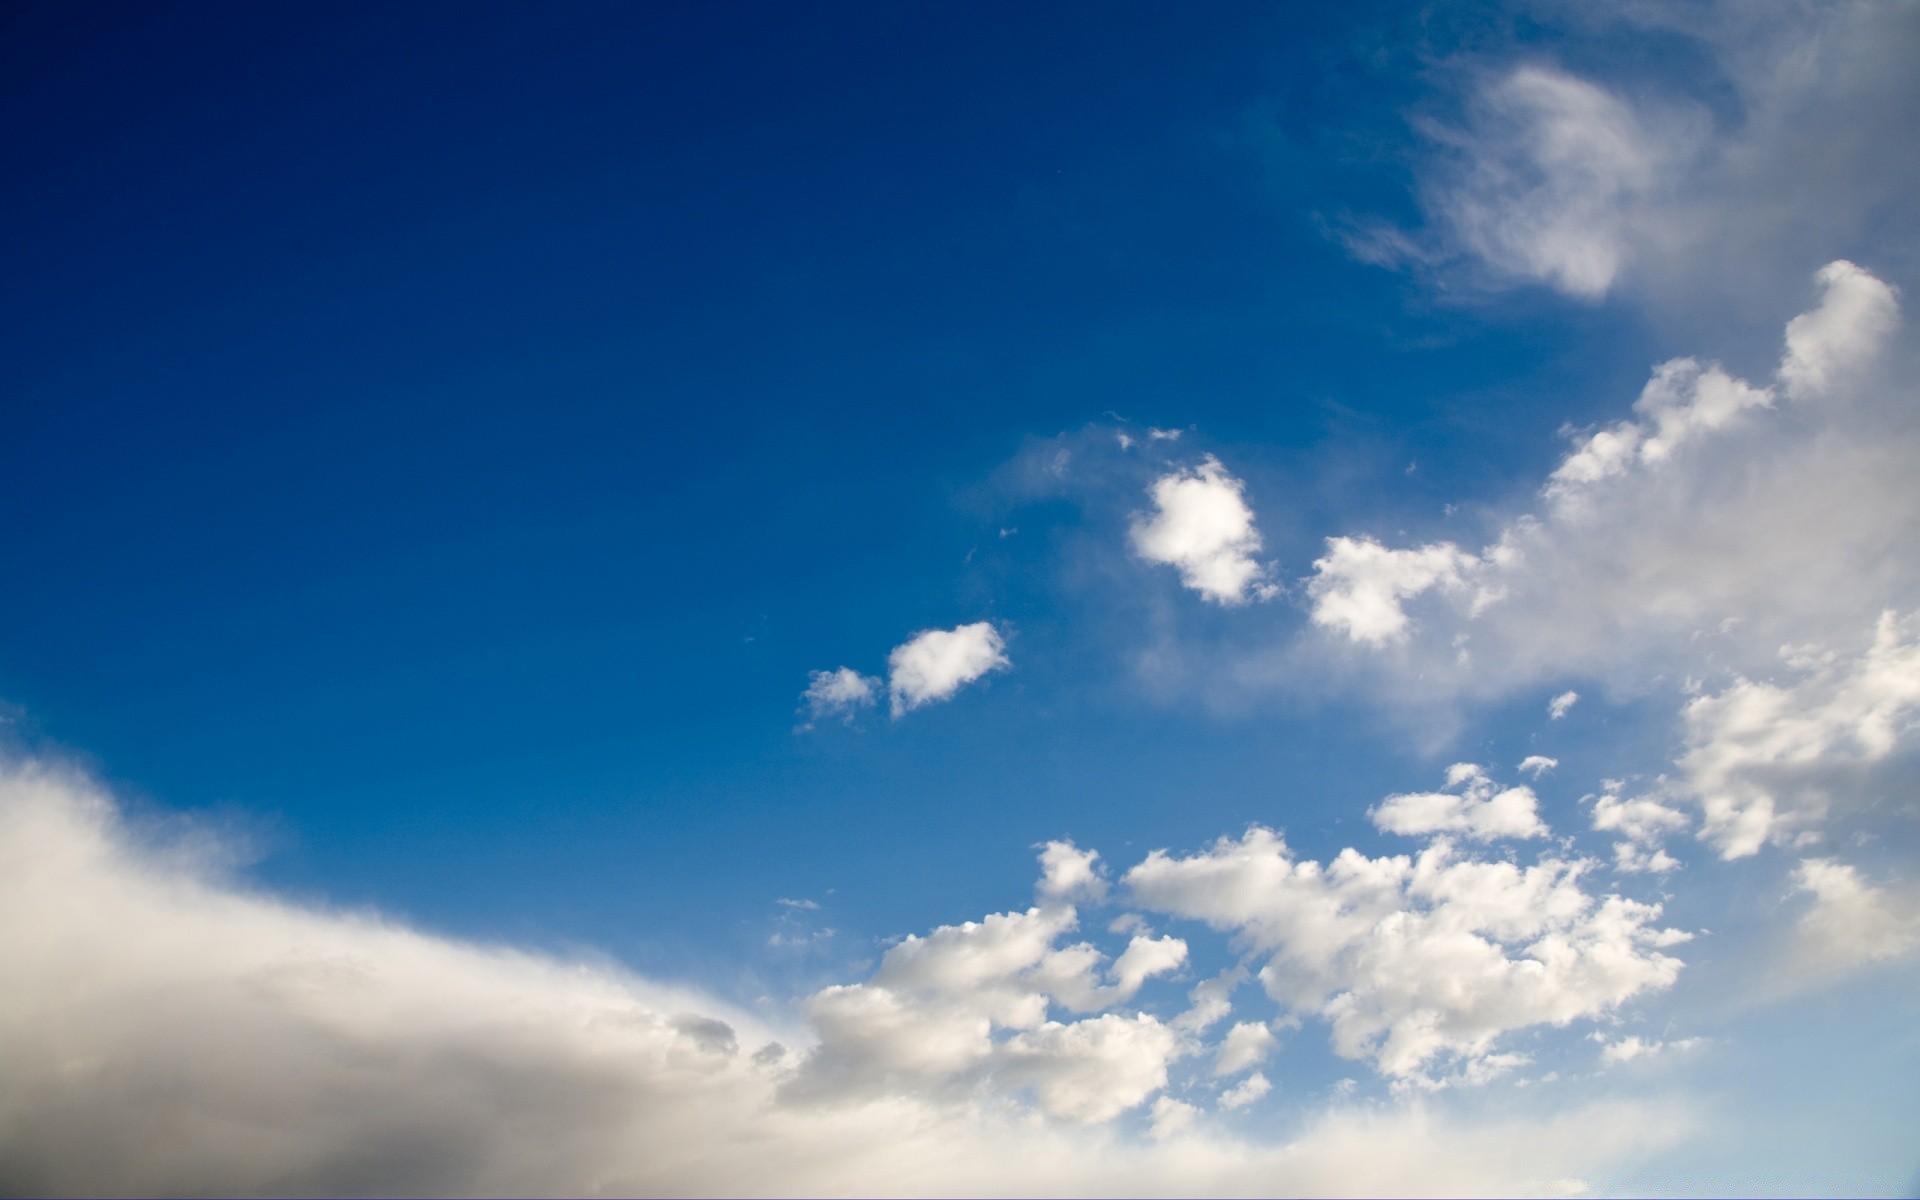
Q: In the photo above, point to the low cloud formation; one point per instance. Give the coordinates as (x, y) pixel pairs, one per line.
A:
(932, 665)
(1480, 811)
(1201, 525)
(166, 1031)
(1417, 962)
(1699, 535)
(1766, 761)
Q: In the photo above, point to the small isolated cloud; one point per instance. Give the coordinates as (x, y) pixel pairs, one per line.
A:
(1627, 1049)
(1561, 705)
(932, 665)
(841, 693)
(1246, 1046)
(1250, 1089)
(1480, 810)
(1202, 527)
(1537, 765)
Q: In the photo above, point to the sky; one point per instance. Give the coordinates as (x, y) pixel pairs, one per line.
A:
(960, 599)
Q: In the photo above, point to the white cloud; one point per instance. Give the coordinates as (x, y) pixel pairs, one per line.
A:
(1765, 761)
(1245, 1046)
(1482, 810)
(1413, 961)
(1562, 704)
(1252, 1088)
(1703, 556)
(1642, 824)
(1359, 585)
(1556, 180)
(934, 664)
(1537, 765)
(1202, 526)
(1588, 186)
(165, 1032)
(1847, 330)
(1851, 923)
(1627, 1049)
(842, 693)
(1068, 873)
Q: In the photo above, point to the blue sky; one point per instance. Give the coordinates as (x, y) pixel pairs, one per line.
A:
(451, 449)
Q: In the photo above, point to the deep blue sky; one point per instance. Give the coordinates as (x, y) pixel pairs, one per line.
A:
(442, 438)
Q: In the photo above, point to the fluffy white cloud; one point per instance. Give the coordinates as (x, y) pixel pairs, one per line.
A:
(1245, 1046)
(929, 1019)
(1537, 765)
(1252, 1088)
(165, 1032)
(1202, 526)
(842, 693)
(1562, 704)
(1763, 759)
(934, 664)
(1415, 961)
(1851, 923)
(1849, 328)
(1699, 535)
(1642, 823)
(1358, 586)
(1481, 810)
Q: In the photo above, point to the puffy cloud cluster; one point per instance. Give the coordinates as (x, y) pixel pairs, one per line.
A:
(927, 668)
(165, 1031)
(1481, 810)
(1702, 531)
(1201, 525)
(1641, 824)
(1763, 759)
(928, 1019)
(1417, 961)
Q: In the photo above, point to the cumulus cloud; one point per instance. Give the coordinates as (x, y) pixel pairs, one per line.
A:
(1201, 525)
(1700, 533)
(166, 1031)
(1537, 765)
(1481, 810)
(1359, 585)
(1562, 704)
(1763, 760)
(838, 693)
(1642, 823)
(1417, 961)
(1248, 1090)
(1851, 922)
(1245, 1046)
(934, 664)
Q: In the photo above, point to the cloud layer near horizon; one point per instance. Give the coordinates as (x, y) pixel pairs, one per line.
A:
(164, 1031)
